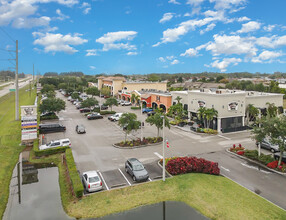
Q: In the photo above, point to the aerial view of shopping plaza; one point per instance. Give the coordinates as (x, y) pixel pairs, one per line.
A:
(146, 110)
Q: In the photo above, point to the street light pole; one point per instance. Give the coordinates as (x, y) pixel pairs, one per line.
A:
(16, 86)
(164, 175)
(141, 122)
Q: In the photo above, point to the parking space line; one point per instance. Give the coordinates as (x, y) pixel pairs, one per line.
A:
(103, 180)
(124, 177)
(158, 155)
(224, 137)
(224, 168)
(149, 179)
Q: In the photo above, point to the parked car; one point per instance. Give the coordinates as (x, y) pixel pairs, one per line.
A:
(136, 170)
(94, 116)
(265, 143)
(57, 143)
(83, 110)
(151, 113)
(106, 96)
(146, 110)
(125, 103)
(115, 117)
(80, 129)
(119, 101)
(91, 181)
(102, 107)
(277, 156)
(50, 128)
(48, 114)
(69, 98)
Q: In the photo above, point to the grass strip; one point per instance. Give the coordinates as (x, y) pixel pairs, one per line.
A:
(10, 138)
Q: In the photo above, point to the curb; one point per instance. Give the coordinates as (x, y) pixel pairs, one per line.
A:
(165, 169)
(190, 131)
(256, 162)
(119, 147)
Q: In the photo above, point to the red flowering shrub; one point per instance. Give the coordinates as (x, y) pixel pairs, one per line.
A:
(235, 149)
(183, 165)
(274, 164)
(240, 153)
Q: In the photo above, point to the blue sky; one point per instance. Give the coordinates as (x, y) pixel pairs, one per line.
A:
(144, 36)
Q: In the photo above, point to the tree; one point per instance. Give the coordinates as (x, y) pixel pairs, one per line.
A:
(271, 110)
(75, 95)
(89, 102)
(93, 91)
(128, 121)
(46, 88)
(210, 113)
(201, 114)
(133, 98)
(251, 113)
(63, 86)
(219, 78)
(137, 99)
(51, 94)
(105, 91)
(111, 101)
(157, 120)
(275, 129)
(180, 80)
(178, 99)
(52, 105)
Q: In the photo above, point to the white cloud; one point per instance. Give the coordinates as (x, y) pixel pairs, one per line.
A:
(249, 27)
(58, 42)
(86, 7)
(31, 22)
(271, 42)
(174, 2)
(170, 57)
(108, 40)
(166, 17)
(241, 19)
(61, 16)
(269, 27)
(21, 12)
(227, 4)
(191, 52)
(224, 44)
(162, 59)
(175, 62)
(194, 2)
(222, 65)
(266, 55)
(92, 67)
(208, 28)
(131, 53)
(91, 52)
(187, 14)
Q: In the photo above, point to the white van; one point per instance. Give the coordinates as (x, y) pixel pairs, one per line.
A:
(116, 117)
(57, 143)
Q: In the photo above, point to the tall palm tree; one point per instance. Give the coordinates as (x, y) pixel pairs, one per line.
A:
(252, 112)
(137, 98)
(201, 114)
(133, 98)
(271, 110)
(178, 99)
(210, 113)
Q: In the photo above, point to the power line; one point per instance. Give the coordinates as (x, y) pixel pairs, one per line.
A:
(11, 38)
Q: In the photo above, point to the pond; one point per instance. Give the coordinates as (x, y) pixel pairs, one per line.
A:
(161, 211)
(39, 197)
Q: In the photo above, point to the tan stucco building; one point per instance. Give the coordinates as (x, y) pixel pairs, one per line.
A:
(230, 104)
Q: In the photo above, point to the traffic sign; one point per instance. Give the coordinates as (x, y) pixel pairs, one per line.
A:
(12, 90)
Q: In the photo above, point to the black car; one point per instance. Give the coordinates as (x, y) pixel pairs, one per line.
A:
(151, 113)
(277, 156)
(50, 128)
(136, 170)
(265, 143)
(94, 116)
(82, 110)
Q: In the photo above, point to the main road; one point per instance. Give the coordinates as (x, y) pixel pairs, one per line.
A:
(5, 90)
(94, 150)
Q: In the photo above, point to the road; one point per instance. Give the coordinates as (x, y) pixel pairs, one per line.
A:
(22, 83)
(94, 150)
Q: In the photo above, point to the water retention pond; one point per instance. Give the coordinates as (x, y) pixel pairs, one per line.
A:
(38, 198)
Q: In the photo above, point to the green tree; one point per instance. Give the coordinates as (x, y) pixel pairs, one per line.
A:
(180, 80)
(201, 114)
(62, 86)
(133, 98)
(51, 94)
(111, 101)
(251, 113)
(75, 95)
(93, 91)
(153, 77)
(89, 102)
(271, 110)
(219, 78)
(178, 99)
(157, 120)
(137, 99)
(128, 121)
(210, 113)
(105, 91)
(275, 129)
(52, 105)
(47, 88)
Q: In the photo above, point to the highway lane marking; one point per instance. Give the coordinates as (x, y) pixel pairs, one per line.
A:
(103, 180)
(255, 168)
(224, 168)
(124, 177)
(158, 155)
(224, 137)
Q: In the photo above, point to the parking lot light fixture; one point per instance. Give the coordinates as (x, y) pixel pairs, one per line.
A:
(164, 176)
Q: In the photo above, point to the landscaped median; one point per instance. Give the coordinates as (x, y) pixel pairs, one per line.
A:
(149, 141)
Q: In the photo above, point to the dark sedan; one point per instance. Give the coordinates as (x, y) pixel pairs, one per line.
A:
(151, 113)
(265, 143)
(93, 116)
(83, 110)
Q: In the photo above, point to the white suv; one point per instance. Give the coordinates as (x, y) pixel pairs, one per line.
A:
(115, 117)
(57, 143)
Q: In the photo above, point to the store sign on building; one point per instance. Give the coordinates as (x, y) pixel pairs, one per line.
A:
(201, 104)
(233, 106)
(29, 122)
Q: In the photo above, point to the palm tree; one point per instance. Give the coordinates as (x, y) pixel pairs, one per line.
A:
(271, 110)
(133, 98)
(178, 99)
(210, 113)
(137, 98)
(252, 112)
(157, 120)
(201, 114)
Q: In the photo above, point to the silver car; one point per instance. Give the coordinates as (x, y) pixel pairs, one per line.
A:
(91, 181)
(136, 170)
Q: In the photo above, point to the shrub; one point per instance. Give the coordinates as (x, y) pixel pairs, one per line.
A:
(173, 122)
(209, 131)
(274, 164)
(50, 117)
(240, 153)
(74, 176)
(252, 154)
(135, 107)
(181, 165)
(266, 159)
(138, 142)
(107, 112)
(47, 152)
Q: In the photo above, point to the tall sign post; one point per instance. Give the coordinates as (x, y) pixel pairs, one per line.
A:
(16, 86)
(29, 123)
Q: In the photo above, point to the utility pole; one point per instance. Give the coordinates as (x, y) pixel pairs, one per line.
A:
(16, 86)
(33, 73)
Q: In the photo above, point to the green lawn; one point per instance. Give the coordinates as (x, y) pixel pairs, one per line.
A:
(10, 138)
(214, 196)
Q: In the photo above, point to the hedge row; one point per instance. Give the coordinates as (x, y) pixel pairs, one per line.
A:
(135, 107)
(181, 165)
(74, 176)
(107, 112)
(47, 152)
(49, 117)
